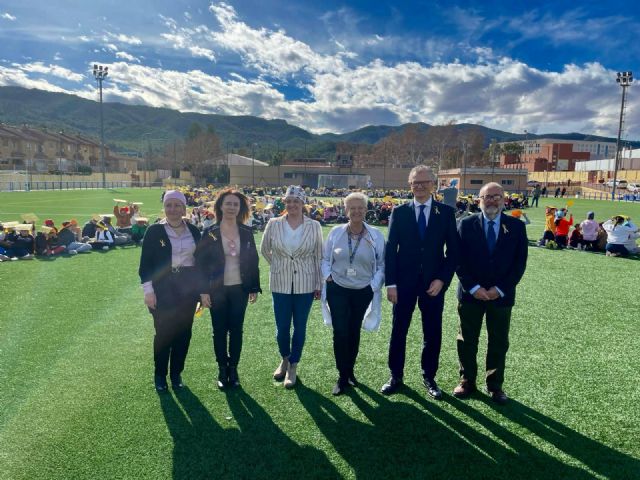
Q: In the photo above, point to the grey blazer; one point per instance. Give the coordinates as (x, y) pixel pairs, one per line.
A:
(297, 273)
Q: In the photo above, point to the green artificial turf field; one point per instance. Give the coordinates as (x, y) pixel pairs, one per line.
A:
(77, 400)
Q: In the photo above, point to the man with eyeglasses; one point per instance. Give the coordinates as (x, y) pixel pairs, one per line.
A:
(420, 259)
(492, 262)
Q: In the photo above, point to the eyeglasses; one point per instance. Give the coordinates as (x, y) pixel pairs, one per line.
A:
(495, 197)
(426, 183)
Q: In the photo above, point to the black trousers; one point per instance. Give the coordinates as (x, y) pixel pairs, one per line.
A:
(228, 306)
(176, 299)
(431, 312)
(348, 306)
(498, 320)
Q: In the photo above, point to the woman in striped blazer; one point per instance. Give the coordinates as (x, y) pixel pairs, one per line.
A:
(292, 245)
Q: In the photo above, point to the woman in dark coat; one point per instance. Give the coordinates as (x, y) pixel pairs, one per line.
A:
(228, 259)
(171, 285)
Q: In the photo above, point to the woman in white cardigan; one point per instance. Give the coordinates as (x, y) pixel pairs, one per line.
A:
(292, 245)
(353, 268)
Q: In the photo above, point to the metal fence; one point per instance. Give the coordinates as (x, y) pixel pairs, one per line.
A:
(24, 186)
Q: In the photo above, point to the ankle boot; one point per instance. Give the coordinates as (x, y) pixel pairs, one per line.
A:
(291, 376)
(281, 371)
(223, 377)
(234, 381)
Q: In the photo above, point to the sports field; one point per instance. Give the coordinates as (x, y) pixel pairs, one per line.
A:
(77, 399)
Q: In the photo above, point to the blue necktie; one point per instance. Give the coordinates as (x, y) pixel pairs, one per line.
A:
(491, 236)
(422, 223)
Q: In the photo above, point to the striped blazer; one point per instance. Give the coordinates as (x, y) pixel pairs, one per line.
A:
(300, 270)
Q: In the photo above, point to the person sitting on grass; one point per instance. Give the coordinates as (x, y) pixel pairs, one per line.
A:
(549, 226)
(104, 238)
(562, 227)
(589, 229)
(118, 237)
(53, 247)
(631, 244)
(49, 223)
(4, 244)
(89, 228)
(22, 242)
(69, 237)
(123, 217)
(575, 239)
(620, 233)
(138, 229)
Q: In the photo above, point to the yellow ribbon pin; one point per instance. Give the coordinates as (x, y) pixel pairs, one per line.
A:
(437, 210)
(504, 229)
(213, 236)
(162, 243)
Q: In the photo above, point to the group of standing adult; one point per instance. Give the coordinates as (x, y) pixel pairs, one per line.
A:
(423, 251)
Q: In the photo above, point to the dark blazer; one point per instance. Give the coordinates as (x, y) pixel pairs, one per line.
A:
(503, 269)
(155, 259)
(408, 259)
(210, 259)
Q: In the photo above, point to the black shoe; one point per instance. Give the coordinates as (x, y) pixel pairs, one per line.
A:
(339, 387)
(432, 388)
(223, 377)
(392, 386)
(233, 381)
(352, 380)
(161, 383)
(498, 396)
(176, 382)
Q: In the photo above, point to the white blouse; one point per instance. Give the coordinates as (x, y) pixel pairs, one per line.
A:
(293, 238)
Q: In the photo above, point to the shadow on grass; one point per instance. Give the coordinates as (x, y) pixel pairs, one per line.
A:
(422, 440)
(256, 448)
(600, 458)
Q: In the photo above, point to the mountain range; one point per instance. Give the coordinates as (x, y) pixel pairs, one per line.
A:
(130, 128)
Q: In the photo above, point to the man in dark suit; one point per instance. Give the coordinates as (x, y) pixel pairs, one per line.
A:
(493, 260)
(417, 269)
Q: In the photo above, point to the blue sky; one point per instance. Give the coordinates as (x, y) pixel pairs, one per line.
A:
(337, 66)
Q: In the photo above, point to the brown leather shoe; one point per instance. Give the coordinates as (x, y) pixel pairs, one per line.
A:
(498, 396)
(464, 389)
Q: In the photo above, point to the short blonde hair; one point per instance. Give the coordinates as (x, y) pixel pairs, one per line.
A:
(356, 196)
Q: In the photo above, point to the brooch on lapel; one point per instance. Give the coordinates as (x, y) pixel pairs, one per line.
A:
(437, 210)
(215, 239)
(504, 229)
(162, 244)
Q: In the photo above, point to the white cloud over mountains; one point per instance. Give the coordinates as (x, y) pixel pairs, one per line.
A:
(343, 91)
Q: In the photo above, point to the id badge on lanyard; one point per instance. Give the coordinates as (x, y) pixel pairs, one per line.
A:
(351, 271)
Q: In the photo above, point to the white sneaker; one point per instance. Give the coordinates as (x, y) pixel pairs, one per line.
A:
(105, 248)
(73, 252)
(13, 259)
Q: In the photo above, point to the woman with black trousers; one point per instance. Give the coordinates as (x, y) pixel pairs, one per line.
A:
(228, 259)
(171, 285)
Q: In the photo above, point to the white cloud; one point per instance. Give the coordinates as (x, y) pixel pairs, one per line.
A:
(504, 94)
(57, 57)
(193, 40)
(122, 38)
(53, 70)
(84, 38)
(269, 51)
(8, 16)
(342, 95)
(127, 56)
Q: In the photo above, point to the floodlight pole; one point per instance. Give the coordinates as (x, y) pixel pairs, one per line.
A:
(100, 73)
(624, 79)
